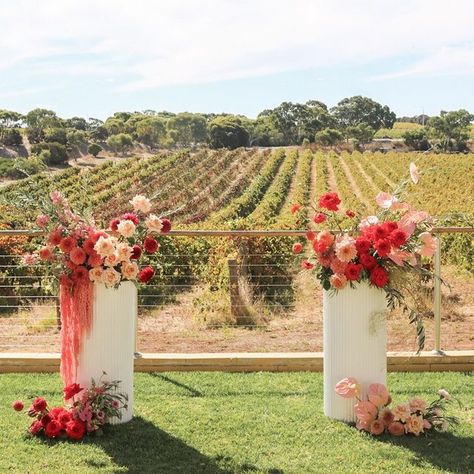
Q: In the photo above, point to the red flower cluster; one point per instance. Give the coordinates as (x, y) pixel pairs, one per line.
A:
(146, 274)
(330, 201)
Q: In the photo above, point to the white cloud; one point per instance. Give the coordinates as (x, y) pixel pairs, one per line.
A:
(148, 44)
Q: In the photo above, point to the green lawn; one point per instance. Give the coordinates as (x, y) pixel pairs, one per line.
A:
(237, 423)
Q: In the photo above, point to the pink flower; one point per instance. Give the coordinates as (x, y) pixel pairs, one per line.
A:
(338, 281)
(377, 427)
(45, 253)
(56, 197)
(386, 416)
(348, 387)
(368, 221)
(326, 237)
(42, 220)
(385, 200)
(337, 266)
(29, 259)
(401, 256)
(105, 245)
(396, 429)
(141, 203)
(426, 425)
(110, 277)
(365, 411)
(154, 223)
(130, 270)
(94, 260)
(77, 256)
(346, 249)
(429, 245)
(363, 425)
(86, 414)
(414, 173)
(410, 219)
(95, 274)
(444, 394)
(126, 228)
(378, 394)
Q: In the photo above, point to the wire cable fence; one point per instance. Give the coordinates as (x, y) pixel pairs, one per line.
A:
(244, 297)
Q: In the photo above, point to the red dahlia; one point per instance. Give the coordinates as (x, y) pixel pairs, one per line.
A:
(352, 271)
(166, 225)
(146, 274)
(130, 216)
(330, 201)
(318, 218)
(379, 232)
(18, 405)
(307, 265)
(35, 427)
(114, 224)
(39, 404)
(67, 244)
(150, 245)
(389, 226)
(80, 273)
(75, 429)
(362, 245)
(368, 261)
(310, 235)
(398, 238)
(350, 213)
(295, 208)
(379, 277)
(136, 252)
(53, 429)
(297, 248)
(383, 247)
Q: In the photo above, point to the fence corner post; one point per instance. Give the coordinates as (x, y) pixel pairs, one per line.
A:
(437, 297)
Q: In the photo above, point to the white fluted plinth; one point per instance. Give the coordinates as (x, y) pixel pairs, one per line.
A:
(355, 339)
(110, 345)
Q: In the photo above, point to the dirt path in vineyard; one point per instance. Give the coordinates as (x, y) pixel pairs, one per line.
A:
(368, 178)
(354, 187)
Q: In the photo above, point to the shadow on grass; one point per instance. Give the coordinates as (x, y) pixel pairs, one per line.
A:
(141, 447)
(445, 451)
(193, 392)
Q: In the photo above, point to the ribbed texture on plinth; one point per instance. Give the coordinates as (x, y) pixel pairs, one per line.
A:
(110, 345)
(355, 339)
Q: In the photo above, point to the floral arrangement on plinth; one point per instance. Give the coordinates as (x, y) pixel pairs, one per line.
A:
(89, 411)
(76, 249)
(379, 249)
(415, 417)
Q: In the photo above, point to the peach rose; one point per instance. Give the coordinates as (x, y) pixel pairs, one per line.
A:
(338, 281)
(110, 277)
(346, 249)
(396, 429)
(417, 404)
(363, 425)
(444, 394)
(428, 246)
(385, 200)
(414, 173)
(426, 425)
(368, 221)
(95, 274)
(377, 394)
(105, 246)
(124, 251)
(153, 223)
(111, 260)
(414, 425)
(141, 203)
(386, 416)
(126, 228)
(129, 270)
(401, 412)
(377, 427)
(348, 388)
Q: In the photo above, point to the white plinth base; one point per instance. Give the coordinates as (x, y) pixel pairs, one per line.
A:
(110, 345)
(355, 339)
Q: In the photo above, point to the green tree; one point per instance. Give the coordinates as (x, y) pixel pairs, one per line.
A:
(417, 139)
(11, 137)
(58, 152)
(115, 125)
(94, 149)
(187, 129)
(42, 119)
(358, 110)
(361, 133)
(9, 122)
(151, 131)
(329, 137)
(120, 142)
(76, 138)
(56, 134)
(227, 132)
(451, 128)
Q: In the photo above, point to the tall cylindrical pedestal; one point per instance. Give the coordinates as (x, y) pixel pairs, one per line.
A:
(110, 345)
(355, 339)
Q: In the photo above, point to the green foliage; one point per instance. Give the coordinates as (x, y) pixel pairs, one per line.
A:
(94, 149)
(361, 133)
(358, 110)
(24, 167)
(40, 119)
(451, 128)
(76, 138)
(329, 137)
(11, 137)
(187, 129)
(58, 135)
(151, 131)
(227, 132)
(58, 153)
(120, 142)
(417, 139)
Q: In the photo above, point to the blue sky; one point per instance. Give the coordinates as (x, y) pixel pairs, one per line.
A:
(94, 57)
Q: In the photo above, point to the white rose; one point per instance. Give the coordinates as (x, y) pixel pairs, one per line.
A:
(141, 203)
(129, 270)
(124, 251)
(154, 223)
(95, 274)
(126, 228)
(105, 246)
(110, 277)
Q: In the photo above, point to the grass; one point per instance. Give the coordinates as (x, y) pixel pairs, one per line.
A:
(237, 423)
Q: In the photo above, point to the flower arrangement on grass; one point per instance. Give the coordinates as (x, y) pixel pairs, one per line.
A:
(379, 249)
(415, 417)
(90, 409)
(76, 249)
